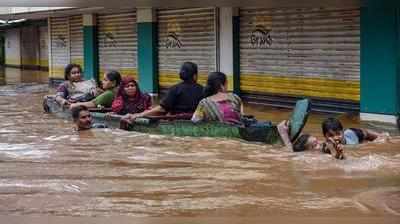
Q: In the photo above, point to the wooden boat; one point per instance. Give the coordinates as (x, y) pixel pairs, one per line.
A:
(253, 130)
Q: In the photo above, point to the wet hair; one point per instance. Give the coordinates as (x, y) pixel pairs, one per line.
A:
(77, 110)
(68, 69)
(331, 124)
(300, 144)
(187, 71)
(214, 82)
(114, 76)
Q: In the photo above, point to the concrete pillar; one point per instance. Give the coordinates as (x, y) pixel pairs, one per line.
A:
(229, 34)
(90, 47)
(380, 74)
(147, 49)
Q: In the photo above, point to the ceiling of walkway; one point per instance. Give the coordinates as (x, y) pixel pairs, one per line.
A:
(178, 3)
(89, 6)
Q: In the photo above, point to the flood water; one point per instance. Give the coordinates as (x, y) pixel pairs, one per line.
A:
(49, 169)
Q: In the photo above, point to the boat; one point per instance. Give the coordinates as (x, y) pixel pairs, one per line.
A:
(252, 130)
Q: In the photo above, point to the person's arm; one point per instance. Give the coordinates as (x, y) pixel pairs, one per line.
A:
(336, 148)
(148, 103)
(370, 135)
(61, 95)
(89, 104)
(169, 101)
(283, 130)
(156, 111)
(198, 115)
(61, 100)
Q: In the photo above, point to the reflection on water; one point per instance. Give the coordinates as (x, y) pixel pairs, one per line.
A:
(15, 76)
(47, 168)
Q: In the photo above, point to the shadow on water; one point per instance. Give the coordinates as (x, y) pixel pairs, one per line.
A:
(48, 169)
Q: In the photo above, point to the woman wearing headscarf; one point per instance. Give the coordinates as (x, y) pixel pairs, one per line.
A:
(130, 99)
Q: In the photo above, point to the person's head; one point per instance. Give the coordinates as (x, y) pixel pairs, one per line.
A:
(129, 87)
(307, 142)
(81, 117)
(73, 72)
(188, 72)
(216, 82)
(111, 79)
(332, 129)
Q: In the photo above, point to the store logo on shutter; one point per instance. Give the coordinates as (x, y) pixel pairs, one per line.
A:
(109, 40)
(61, 42)
(173, 29)
(261, 38)
(173, 41)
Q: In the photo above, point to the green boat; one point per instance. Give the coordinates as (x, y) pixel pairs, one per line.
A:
(253, 130)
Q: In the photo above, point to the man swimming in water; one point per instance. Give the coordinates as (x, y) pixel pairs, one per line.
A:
(83, 119)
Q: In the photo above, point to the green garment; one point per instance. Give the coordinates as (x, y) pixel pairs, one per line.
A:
(105, 99)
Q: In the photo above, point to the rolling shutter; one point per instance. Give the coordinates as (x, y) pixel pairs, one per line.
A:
(186, 35)
(44, 49)
(312, 52)
(60, 53)
(117, 39)
(13, 47)
(76, 39)
(29, 46)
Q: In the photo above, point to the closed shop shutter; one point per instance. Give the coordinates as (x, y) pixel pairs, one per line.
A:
(12, 48)
(312, 52)
(60, 53)
(44, 49)
(117, 39)
(76, 39)
(29, 46)
(186, 35)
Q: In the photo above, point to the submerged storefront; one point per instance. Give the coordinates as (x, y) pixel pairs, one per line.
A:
(66, 44)
(117, 42)
(186, 35)
(301, 52)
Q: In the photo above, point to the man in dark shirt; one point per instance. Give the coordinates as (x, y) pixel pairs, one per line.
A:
(181, 98)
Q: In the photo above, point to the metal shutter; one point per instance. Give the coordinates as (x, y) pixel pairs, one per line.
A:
(43, 45)
(117, 39)
(76, 39)
(12, 48)
(301, 52)
(60, 54)
(186, 35)
(29, 46)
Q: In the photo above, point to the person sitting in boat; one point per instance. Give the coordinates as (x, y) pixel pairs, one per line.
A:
(110, 86)
(335, 138)
(218, 104)
(75, 89)
(181, 98)
(130, 99)
(83, 119)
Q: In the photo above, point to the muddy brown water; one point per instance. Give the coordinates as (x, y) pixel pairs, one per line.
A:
(49, 169)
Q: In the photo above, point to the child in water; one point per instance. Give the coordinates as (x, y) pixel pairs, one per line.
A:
(335, 138)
